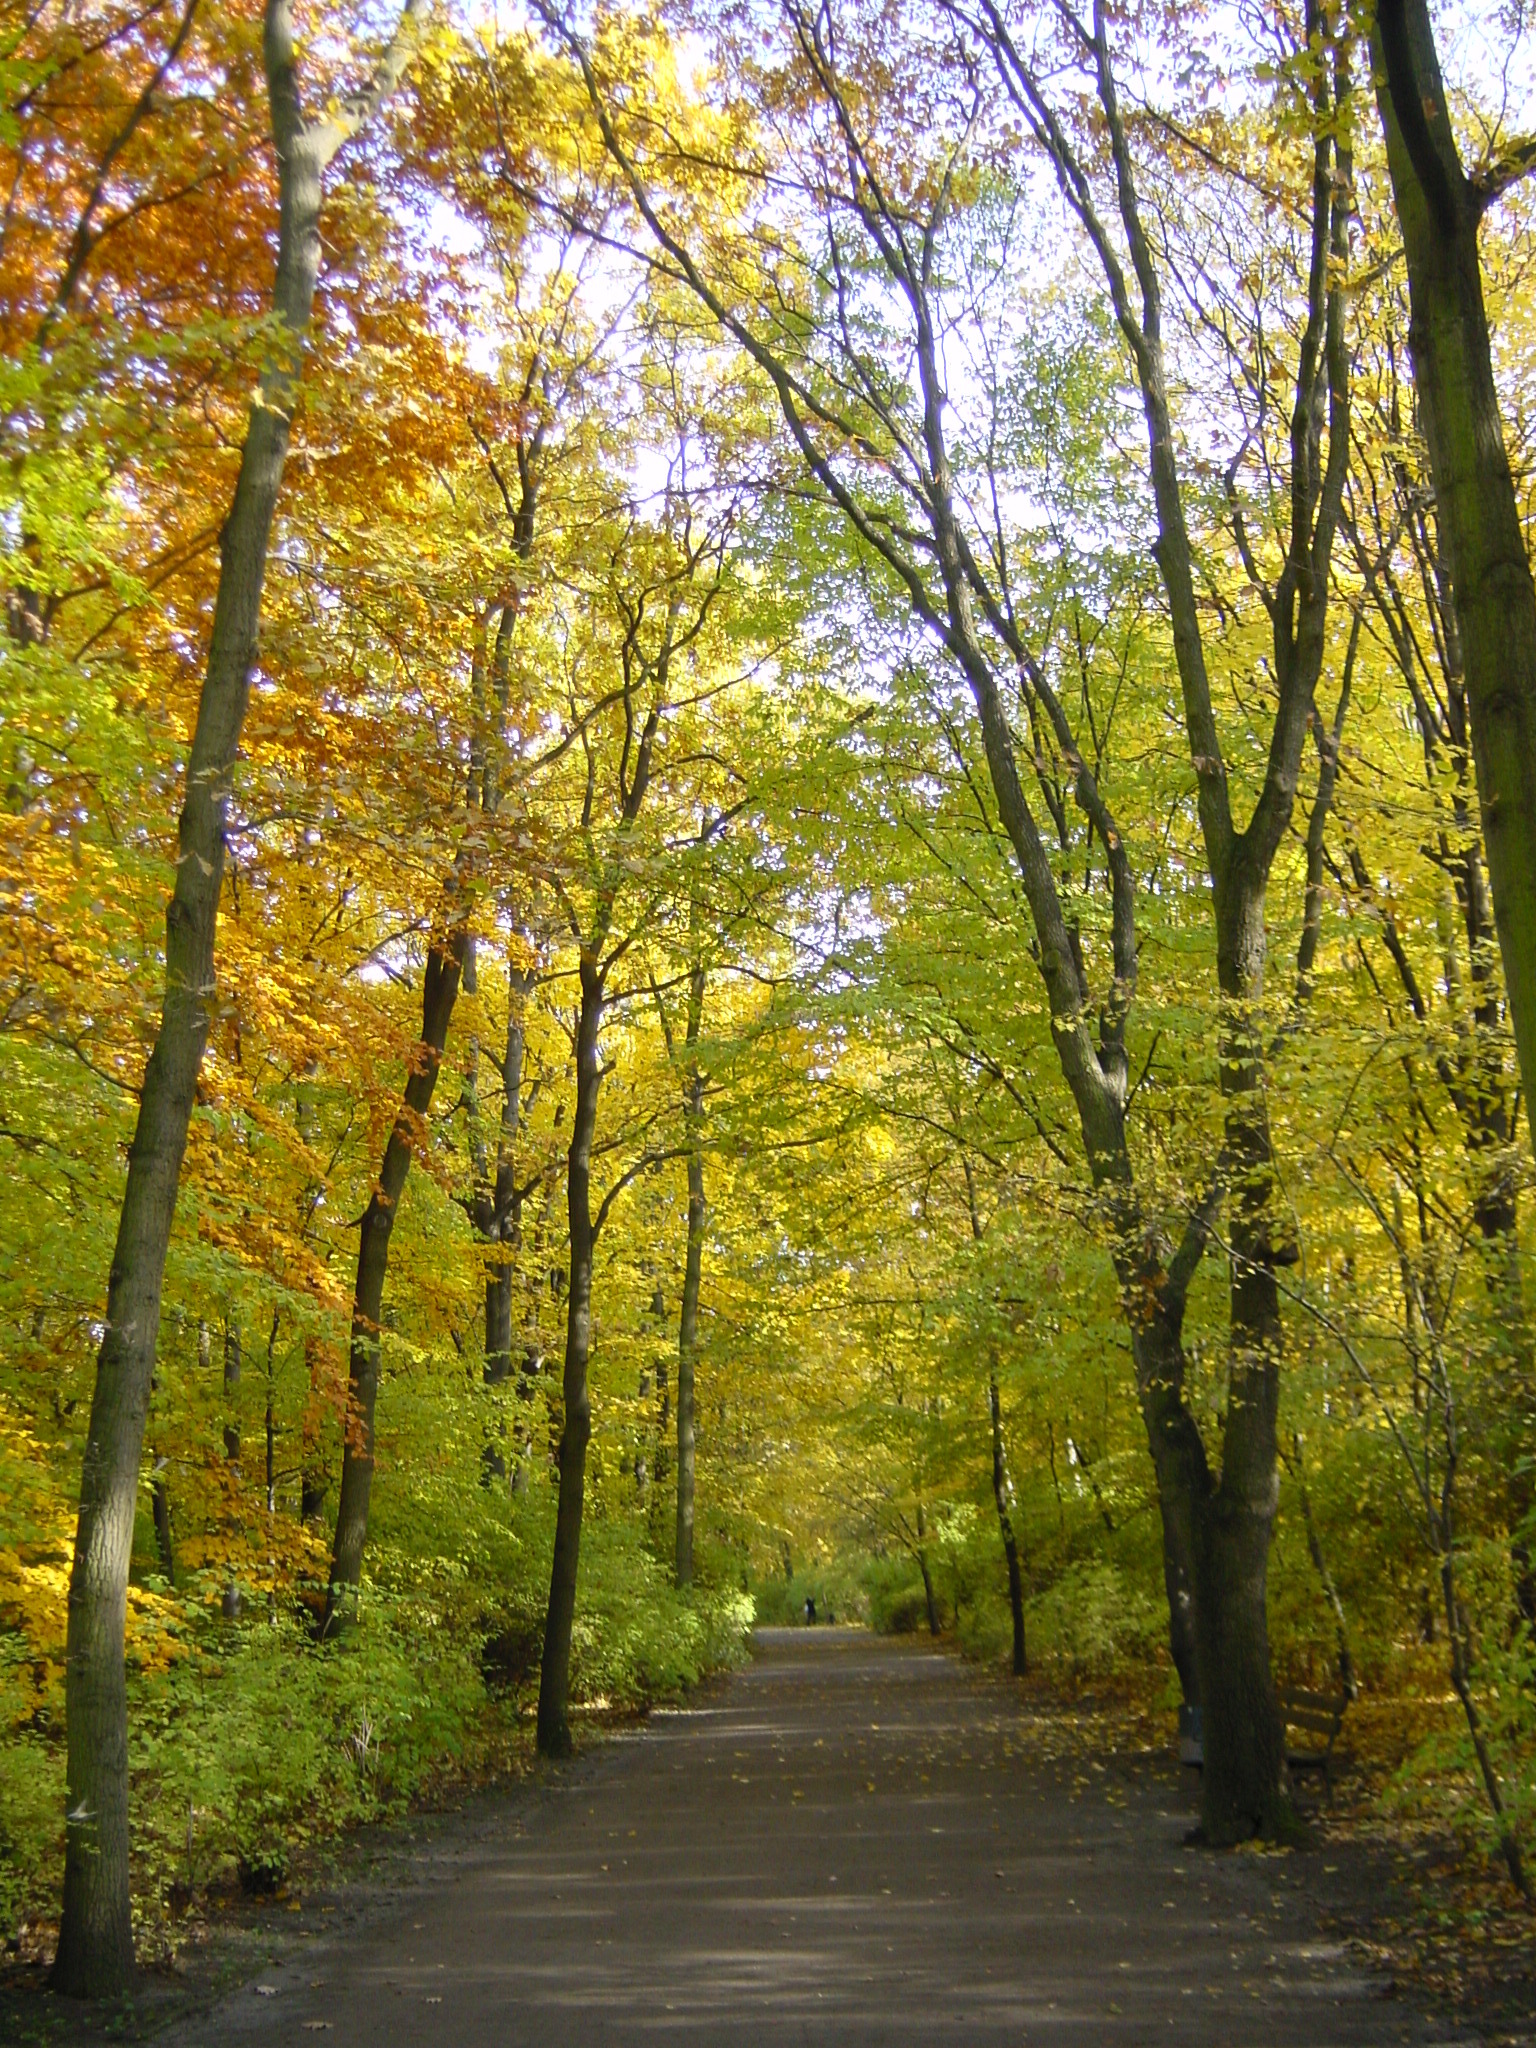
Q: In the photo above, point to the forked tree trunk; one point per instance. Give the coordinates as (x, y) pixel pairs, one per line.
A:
(1002, 1494)
(440, 988)
(1440, 211)
(95, 1952)
(554, 1733)
(450, 963)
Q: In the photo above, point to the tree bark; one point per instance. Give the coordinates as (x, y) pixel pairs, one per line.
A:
(1440, 209)
(1243, 1786)
(1002, 1494)
(554, 1734)
(440, 988)
(95, 1952)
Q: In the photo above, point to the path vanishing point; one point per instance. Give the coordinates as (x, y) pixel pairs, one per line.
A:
(850, 1841)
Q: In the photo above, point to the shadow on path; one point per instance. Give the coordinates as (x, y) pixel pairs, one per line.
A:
(846, 1843)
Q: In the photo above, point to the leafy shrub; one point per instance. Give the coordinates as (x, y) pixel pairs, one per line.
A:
(1093, 1619)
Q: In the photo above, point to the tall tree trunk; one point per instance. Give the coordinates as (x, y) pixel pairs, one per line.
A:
(314, 1480)
(1154, 1312)
(663, 1391)
(1346, 1661)
(554, 1734)
(687, 1357)
(95, 1953)
(165, 1535)
(929, 1596)
(230, 1603)
(494, 1212)
(1440, 211)
(1243, 1788)
(450, 962)
(1474, 1076)
(496, 1208)
(1002, 1494)
(232, 1391)
(662, 1513)
(688, 1321)
(440, 988)
(270, 1419)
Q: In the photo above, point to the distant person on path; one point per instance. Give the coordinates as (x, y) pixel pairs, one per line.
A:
(810, 1610)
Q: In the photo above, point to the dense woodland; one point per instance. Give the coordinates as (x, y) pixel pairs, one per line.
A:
(769, 830)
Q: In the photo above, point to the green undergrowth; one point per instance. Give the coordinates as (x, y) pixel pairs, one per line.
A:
(251, 1745)
(1095, 1631)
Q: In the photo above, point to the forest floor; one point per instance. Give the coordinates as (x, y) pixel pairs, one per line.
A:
(853, 1841)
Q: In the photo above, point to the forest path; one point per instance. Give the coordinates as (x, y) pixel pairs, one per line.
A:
(848, 1842)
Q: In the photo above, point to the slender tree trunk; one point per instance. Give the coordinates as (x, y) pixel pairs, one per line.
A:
(554, 1733)
(1346, 1661)
(1440, 210)
(1178, 1455)
(440, 988)
(687, 1355)
(1461, 1681)
(232, 1363)
(271, 1443)
(270, 1493)
(165, 1535)
(314, 1480)
(663, 1404)
(450, 961)
(95, 1953)
(1002, 1493)
(655, 1477)
(496, 1206)
(1179, 1589)
(230, 1604)
(688, 1323)
(935, 1627)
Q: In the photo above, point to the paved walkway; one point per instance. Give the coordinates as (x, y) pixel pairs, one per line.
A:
(847, 1843)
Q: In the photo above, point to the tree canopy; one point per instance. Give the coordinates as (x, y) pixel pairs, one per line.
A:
(766, 784)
